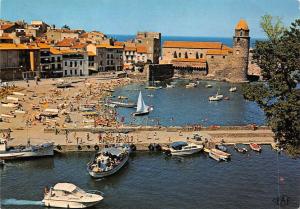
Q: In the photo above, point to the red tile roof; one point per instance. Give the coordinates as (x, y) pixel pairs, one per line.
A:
(6, 26)
(141, 49)
(202, 60)
(192, 45)
(242, 24)
(67, 42)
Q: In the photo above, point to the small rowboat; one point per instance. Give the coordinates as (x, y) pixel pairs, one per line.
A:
(240, 148)
(221, 147)
(255, 147)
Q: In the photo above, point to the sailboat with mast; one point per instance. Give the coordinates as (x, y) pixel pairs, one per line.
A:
(142, 108)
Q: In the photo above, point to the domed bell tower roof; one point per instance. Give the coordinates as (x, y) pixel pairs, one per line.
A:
(242, 25)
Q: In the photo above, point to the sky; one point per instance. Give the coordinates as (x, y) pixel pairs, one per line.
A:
(212, 18)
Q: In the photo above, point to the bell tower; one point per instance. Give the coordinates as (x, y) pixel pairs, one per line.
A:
(241, 43)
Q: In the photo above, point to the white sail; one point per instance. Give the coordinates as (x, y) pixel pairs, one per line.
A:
(141, 107)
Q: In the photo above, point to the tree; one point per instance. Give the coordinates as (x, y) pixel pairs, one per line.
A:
(278, 96)
(65, 27)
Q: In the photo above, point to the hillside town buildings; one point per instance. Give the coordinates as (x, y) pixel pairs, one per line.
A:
(38, 49)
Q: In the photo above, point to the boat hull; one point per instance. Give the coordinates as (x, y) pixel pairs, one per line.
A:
(108, 173)
(141, 113)
(46, 150)
(68, 204)
(185, 152)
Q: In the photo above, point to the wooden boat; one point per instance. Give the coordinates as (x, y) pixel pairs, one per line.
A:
(123, 104)
(208, 86)
(221, 147)
(107, 162)
(220, 154)
(214, 156)
(239, 148)
(255, 147)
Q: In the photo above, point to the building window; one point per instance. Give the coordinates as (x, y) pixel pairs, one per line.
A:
(71, 64)
(66, 64)
(65, 72)
(75, 64)
(58, 59)
(75, 72)
(111, 62)
(59, 66)
(80, 62)
(241, 33)
(100, 62)
(71, 72)
(111, 56)
(238, 40)
(179, 54)
(107, 62)
(186, 55)
(223, 57)
(53, 66)
(80, 72)
(197, 55)
(107, 56)
(53, 59)
(212, 57)
(201, 55)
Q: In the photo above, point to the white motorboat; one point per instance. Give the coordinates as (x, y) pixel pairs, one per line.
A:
(233, 89)
(67, 195)
(107, 162)
(170, 86)
(191, 85)
(208, 86)
(45, 149)
(181, 148)
(142, 108)
(216, 97)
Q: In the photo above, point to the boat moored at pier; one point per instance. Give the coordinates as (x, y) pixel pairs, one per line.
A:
(67, 195)
(181, 148)
(255, 147)
(45, 149)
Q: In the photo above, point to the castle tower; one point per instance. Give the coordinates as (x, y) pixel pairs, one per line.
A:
(241, 42)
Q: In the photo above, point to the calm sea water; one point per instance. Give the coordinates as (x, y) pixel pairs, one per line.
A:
(225, 40)
(153, 181)
(182, 106)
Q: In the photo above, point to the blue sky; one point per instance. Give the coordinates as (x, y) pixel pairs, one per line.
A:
(215, 18)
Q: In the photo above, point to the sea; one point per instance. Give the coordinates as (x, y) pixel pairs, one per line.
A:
(181, 106)
(154, 181)
(225, 40)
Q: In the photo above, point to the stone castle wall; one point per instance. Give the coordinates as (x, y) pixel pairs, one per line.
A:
(159, 72)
